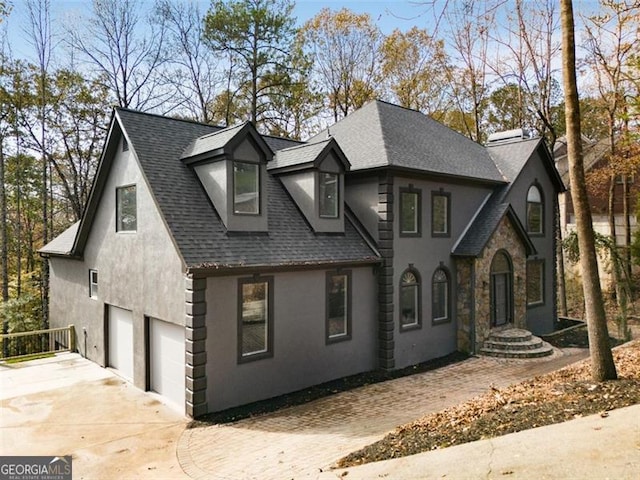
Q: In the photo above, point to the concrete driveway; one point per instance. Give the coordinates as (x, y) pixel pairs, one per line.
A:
(66, 405)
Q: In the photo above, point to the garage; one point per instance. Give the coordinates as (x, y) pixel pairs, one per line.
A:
(167, 361)
(120, 338)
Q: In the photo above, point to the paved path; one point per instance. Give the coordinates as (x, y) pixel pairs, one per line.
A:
(303, 441)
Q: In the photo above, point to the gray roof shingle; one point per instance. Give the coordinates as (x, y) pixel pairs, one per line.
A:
(63, 243)
(510, 157)
(195, 225)
(381, 134)
(482, 227)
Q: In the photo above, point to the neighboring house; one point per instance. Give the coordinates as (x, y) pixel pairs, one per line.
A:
(594, 153)
(219, 267)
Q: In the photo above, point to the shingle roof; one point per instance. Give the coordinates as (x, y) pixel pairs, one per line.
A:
(195, 225)
(475, 238)
(384, 135)
(305, 155)
(63, 243)
(298, 155)
(211, 141)
(510, 157)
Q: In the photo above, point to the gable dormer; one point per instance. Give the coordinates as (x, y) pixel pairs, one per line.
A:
(313, 174)
(232, 167)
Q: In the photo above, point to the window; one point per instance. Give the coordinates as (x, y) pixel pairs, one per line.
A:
(534, 210)
(255, 322)
(328, 195)
(246, 188)
(440, 214)
(93, 283)
(409, 299)
(126, 210)
(338, 306)
(535, 282)
(409, 212)
(440, 296)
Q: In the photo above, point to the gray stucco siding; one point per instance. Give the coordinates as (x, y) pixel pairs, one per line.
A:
(540, 317)
(301, 355)
(361, 195)
(139, 271)
(427, 253)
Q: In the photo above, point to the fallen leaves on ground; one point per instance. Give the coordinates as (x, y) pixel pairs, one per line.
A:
(544, 400)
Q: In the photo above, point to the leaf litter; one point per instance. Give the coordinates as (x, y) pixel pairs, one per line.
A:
(543, 400)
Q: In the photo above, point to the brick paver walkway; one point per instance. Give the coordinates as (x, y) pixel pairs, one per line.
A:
(302, 441)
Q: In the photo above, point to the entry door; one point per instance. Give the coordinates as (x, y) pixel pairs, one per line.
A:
(501, 289)
(501, 297)
(121, 341)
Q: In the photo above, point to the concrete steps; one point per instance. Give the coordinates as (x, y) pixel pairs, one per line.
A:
(515, 343)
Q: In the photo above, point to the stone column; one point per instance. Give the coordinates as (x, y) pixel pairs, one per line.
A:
(386, 343)
(195, 340)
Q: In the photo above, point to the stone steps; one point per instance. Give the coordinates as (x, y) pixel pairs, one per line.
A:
(515, 343)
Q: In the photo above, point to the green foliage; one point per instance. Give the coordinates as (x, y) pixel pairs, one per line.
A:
(257, 35)
(22, 314)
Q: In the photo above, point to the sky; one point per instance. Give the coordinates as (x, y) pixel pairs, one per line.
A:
(387, 14)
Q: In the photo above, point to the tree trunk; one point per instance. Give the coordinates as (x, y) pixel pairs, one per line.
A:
(3, 231)
(602, 365)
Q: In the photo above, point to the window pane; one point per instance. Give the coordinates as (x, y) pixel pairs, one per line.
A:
(93, 283)
(126, 209)
(409, 295)
(534, 217)
(440, 214)
(255, 319)
(409, 305)
(440, 292)
(246, 184)
(337, 305)
(534, 282)
(534, 210)
(409, 212)
(329, 195)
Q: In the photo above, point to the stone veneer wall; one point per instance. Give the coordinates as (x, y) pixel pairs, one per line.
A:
(385, 273)
(464, 305)
(195, 339)
(474, 298)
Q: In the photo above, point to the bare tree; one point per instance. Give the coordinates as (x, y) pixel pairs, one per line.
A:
(124, 51)
(344, 47)
(41, 37)
(194, 74)
(602, 365)
(612, 41)
(468, 33)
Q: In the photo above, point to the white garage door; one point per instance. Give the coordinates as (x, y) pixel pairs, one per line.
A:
(167, 357)
(121, 341)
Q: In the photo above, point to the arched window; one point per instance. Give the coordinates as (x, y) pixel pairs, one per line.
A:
(440, 296)
(409, 299)
(534, 210)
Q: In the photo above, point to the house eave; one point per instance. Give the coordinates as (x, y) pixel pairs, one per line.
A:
(214, 269)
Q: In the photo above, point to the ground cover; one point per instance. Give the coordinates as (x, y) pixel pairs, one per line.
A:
(547, 399)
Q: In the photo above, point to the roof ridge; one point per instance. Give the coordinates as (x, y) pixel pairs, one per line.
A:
(166, 117)
(306, 144)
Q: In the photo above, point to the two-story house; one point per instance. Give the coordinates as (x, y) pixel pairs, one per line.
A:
(217, 266)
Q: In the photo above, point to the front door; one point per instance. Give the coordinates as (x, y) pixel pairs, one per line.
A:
(501, 290)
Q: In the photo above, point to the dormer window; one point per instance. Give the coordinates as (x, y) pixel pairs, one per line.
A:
(328, 194)
(231, 165)
(246, 188)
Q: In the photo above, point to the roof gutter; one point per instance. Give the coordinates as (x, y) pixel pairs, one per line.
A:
(215, 270)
